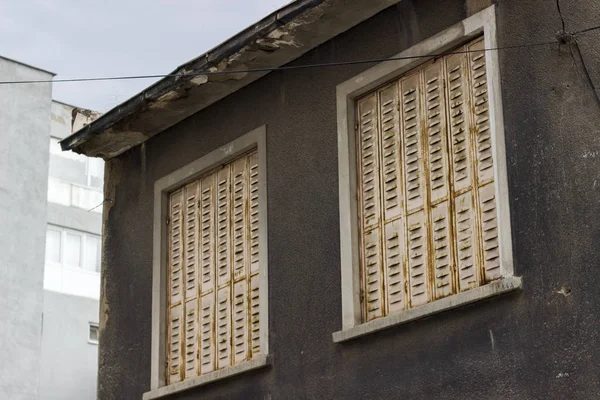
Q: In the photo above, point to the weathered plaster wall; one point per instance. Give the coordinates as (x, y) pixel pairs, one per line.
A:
(24, 126)
(539, 343)
(69, 363)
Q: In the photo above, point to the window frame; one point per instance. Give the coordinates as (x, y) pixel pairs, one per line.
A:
(255, 139)
(481, 23)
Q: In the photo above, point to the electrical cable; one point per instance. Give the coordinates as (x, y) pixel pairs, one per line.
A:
(283, 68)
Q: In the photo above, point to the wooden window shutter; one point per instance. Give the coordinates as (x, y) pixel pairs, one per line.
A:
(213, 318)
(426, 194)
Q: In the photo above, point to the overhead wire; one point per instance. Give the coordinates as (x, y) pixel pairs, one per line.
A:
(296, 67)
(282, 68)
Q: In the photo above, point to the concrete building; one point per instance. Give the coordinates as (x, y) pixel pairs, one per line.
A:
(25, 123)
(423, 226)
(48, 199)
(69, 351)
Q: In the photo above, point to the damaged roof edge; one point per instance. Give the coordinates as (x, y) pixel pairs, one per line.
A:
(209, 59)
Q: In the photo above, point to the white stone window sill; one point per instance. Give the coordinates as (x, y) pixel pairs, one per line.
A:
(500, 286)
(259, 362)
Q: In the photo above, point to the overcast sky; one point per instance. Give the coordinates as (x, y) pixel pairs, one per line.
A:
(91, 38)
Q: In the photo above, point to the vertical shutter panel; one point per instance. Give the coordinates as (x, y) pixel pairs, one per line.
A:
(368, 150)
(390, 142)
(465, 241)
(255, 315)
(489, 226)
(191, 240)
(240, 321)
(224, 327)
(240, 218)
(435, 127)
(176, 248)
(481, 115)
(437, 145)
(207, 333)
(207, 208)
(175, 341)
(191, 338)
(456, 82)
(175, 344)
(223, 227)
(369, 154)
(394, 263)
(254, 247)
(372, 259)
(417, 258)
(413, 159)
(442, 256)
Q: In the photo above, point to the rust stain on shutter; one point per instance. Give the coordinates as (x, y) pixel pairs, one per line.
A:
(213, 292)
(426, 194)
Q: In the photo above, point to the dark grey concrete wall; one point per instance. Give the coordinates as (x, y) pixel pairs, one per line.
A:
(540, 343)
(24, 126)
(69, 362)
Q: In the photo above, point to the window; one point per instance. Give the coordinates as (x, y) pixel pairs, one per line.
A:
(429, 225)
(73, 249)
(93, 333)
(212, 219)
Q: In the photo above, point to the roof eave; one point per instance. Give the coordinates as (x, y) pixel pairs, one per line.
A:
(274, 41)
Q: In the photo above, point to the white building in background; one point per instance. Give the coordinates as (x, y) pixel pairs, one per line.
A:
(50, 226)
(74, 212)
(72, 269)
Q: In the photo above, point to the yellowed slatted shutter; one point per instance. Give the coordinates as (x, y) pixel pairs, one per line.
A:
(214, 281)
(427, 201)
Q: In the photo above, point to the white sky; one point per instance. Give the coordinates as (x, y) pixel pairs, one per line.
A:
(92, 38)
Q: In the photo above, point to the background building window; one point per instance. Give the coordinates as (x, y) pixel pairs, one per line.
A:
(93, 333)
(73, 249)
